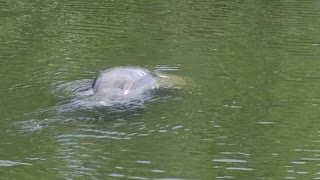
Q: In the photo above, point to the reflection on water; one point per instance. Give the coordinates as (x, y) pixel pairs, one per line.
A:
(6, 163)
(251, 114)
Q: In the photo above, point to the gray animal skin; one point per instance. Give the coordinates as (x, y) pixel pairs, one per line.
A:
(125, 81)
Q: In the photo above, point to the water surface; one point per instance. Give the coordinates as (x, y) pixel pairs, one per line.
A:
(252, 111)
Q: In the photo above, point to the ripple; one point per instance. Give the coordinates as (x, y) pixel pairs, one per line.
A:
(266, 122)
(308, 150)
(91, 136)
(168, 67)
(239, 168)
(225, 177)
(177, 127)
(310, 159)
(143, 162)
(137, 177)
(157, 171)
(229, 160)
(298, 162)
(236, 153)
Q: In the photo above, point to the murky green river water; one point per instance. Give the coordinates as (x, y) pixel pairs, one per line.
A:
(251, 110)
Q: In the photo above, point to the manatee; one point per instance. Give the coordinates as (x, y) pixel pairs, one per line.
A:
(123, 85)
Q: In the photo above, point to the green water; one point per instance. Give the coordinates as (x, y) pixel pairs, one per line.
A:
(251, 111)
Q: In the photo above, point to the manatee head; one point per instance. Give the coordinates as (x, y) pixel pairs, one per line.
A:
(123, 81)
